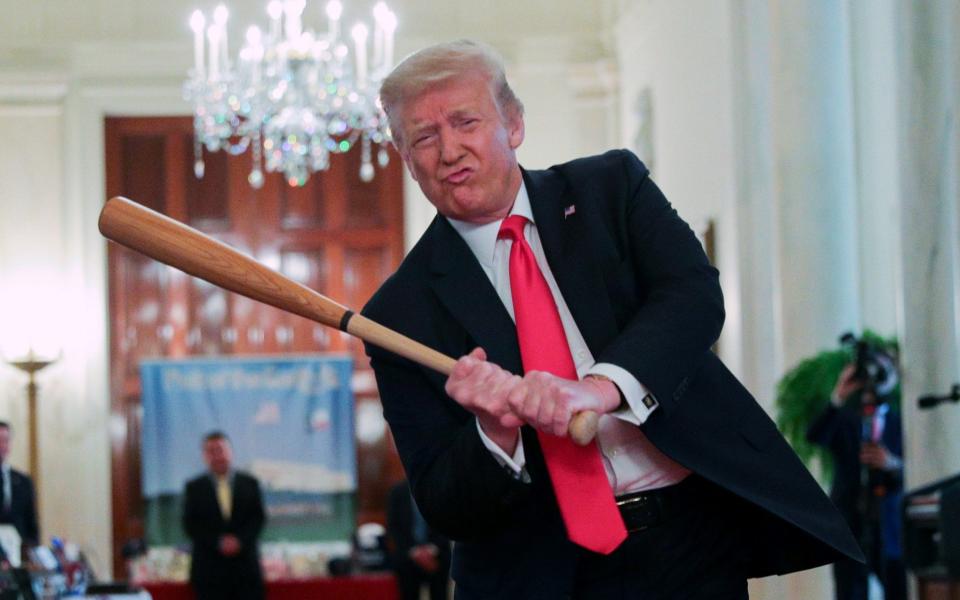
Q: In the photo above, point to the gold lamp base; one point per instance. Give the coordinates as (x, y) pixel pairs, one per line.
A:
(30, 365)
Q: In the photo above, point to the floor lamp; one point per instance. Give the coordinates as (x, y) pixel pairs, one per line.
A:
(30, 365)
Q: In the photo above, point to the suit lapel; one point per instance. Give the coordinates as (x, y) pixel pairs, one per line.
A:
(464, 289)
(567, 245)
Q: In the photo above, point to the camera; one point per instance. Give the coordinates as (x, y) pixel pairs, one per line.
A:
(873, 366)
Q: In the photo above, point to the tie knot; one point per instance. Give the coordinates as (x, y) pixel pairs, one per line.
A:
(512, 228)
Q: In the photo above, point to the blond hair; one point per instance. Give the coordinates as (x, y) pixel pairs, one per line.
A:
(442, 63)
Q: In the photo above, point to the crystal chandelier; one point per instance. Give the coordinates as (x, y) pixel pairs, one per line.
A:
(293, 97)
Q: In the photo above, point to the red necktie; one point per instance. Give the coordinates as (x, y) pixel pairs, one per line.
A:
(579, 481)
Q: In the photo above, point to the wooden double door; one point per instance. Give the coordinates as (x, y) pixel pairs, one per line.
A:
(337, 235)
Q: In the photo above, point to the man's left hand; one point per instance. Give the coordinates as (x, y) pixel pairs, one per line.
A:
(549, 402)
(229, 545)
(875, 455)
(425, 556)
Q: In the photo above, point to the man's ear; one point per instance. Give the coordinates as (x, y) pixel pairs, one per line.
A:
(405, 157)
(515, 129)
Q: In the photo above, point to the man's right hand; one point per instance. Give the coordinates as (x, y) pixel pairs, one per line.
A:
(847, 384)
(484, 388)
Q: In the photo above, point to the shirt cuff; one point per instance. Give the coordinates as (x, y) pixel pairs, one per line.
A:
(514, 463)
(894, 462)
(640, 402)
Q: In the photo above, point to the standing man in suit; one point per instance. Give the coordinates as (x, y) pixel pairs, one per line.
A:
(575, 288)
(17, 501)
(418, 555)
(868, 454)
(223, 516)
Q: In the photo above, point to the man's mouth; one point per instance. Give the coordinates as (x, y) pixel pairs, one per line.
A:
(458, 177)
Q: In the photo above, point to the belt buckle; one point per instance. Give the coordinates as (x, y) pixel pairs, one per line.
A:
(639, 512)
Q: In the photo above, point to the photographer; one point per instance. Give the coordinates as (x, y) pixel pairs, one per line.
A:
(863, 434)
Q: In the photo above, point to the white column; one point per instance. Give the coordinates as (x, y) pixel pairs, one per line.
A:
(754, 213)
(795, 202)
(814, 174)
(34, 299)
(873, 28)
(930, 199)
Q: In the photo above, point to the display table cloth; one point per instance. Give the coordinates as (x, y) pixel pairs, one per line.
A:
(373, 586)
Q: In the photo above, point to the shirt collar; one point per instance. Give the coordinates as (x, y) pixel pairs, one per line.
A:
(482, 239)
(216, 478)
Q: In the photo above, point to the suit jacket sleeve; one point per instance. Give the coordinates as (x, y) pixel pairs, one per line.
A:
(679, 307)
(202, 531)
(254, 517)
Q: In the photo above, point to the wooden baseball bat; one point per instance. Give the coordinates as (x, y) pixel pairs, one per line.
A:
(178, 245)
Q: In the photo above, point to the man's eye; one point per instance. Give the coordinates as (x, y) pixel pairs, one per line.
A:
(422, 140)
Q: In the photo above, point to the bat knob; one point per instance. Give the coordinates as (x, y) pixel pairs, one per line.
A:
(583, 427)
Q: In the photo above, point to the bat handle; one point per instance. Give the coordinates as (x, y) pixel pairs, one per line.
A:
(583, 427)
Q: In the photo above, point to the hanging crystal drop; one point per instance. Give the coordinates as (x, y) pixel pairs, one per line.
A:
(296, 175)
(366, 167)
(366, 172)
(383, 158)
(256, 174)
(197, 156)
(322, 160)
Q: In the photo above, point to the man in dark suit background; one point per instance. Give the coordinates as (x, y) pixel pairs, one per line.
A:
(418, 555)
(708, 491)
(17, 501)
(223, 516)
(840, 429)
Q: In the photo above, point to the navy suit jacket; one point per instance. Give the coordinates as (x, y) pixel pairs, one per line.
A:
(23, 508)
(645, 298)
(204, 525)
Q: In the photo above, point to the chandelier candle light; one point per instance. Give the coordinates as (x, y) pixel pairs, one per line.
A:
(293, 97)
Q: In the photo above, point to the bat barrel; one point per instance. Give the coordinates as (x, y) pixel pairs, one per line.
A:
(200, 255)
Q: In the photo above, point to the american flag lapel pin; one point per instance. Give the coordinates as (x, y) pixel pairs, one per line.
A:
(569, 211)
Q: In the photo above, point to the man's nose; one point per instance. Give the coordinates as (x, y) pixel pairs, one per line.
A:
(450, 148)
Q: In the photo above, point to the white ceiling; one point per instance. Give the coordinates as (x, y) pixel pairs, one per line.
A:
(35, 32)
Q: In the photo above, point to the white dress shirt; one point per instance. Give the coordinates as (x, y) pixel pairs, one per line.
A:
(631, 462)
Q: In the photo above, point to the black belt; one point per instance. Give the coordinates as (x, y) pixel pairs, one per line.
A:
(641, 510)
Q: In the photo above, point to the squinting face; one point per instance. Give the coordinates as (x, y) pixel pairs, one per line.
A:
(461, 150)
(4, 444)
(218, 455)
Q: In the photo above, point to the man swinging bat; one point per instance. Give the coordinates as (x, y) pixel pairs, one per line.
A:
(573, 289)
